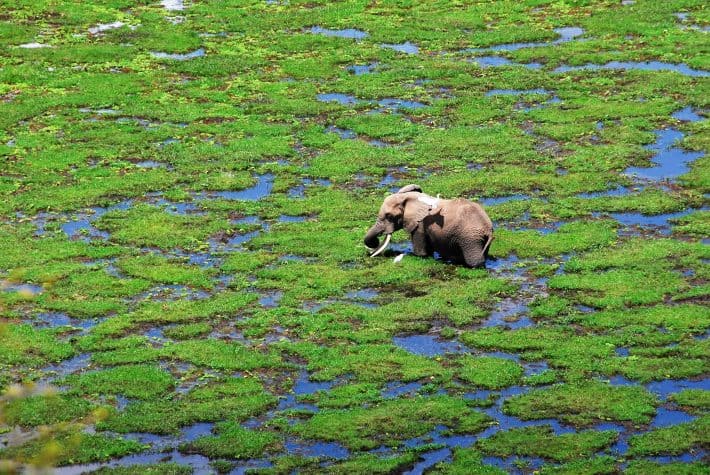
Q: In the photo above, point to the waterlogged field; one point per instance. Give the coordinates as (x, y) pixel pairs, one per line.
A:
(186, 185)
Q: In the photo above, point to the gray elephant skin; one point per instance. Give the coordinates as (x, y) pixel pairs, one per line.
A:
(459, 230)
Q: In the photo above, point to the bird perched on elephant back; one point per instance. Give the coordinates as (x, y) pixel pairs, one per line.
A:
(459, 230)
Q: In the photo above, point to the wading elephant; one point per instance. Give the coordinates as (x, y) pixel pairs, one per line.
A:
(459, 230)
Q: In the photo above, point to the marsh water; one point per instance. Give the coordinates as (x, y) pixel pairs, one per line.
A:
(183, 283)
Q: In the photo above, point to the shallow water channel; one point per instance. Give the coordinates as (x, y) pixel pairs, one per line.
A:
(272, 292)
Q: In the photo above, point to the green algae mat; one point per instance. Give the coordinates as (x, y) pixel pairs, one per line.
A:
(185, 189)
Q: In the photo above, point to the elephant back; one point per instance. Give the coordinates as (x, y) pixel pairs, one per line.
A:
(471, 212)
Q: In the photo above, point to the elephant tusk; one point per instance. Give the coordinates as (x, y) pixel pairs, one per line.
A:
(383, 247)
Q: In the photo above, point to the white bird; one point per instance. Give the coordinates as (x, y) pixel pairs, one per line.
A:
(398, 258)
(428, 200)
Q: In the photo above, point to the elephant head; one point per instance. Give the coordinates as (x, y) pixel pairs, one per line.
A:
(404, 209)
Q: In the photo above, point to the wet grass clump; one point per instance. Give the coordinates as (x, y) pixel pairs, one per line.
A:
(584, 403)
(235, 399)
(158, 269)
(695, 400)
(465, 461)
(489, 373)
(68, 448)
(234, 442)
(672, 440)
(541, 441)
(44, 410)
(150, 469)
(376, 363)
(401, 419)
(133, 381)
(149, 226)
(185, 189)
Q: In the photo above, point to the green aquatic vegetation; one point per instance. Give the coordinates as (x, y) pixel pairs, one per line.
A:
(69, 448)
(99, 188)
(21, 250)
(560, 346)
(696, 400)
(699, 176)
(648, 202)
(165, 468)
(460, 301)
(159, 269)
(639, 253)
(589, 109)
(145, 225)
(682, 317)
(223, 304)
(218, 354)
(535, 208)
(188, 331)
(584, 355)
(697, 292)
(24, 345)
(44, 410)
(47, 273)
(143, 352)
(261, 322)
(380, 126)
(90, 342)
(603, 464)
(584, 403)
(695, 224)
(617, 288)
(696, 348)
(91, 293)
(653, 345)
(372, 464)
(489, 372)
(575, 236)
(647, 369)
(502, 180)
(673, 440)
(401, 419)
(466, 461)
(283, 464)
(14, 33)
(222, 466)
(546, 377)
(303, 281)
(220, 180)
(369, 362)
(550, 306)
(95, 119)
(471, 109)
(541, 441)
(349, 395)
(328, 242)
(134, 381)
(641, 467)
(233, 398)
(499, 143)
(233, 441)
(246, 261)
(348, 157)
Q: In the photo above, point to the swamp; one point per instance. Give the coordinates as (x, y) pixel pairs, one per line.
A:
(186, 185)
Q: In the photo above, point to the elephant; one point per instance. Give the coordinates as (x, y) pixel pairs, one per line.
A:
(458, 230)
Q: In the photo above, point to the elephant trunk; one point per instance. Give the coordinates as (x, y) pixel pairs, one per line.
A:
(371, 240)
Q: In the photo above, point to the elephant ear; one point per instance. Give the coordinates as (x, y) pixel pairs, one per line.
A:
(408, 188)
(414, 211)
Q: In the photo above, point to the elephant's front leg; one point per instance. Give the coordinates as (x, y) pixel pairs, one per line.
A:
(419, 242)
